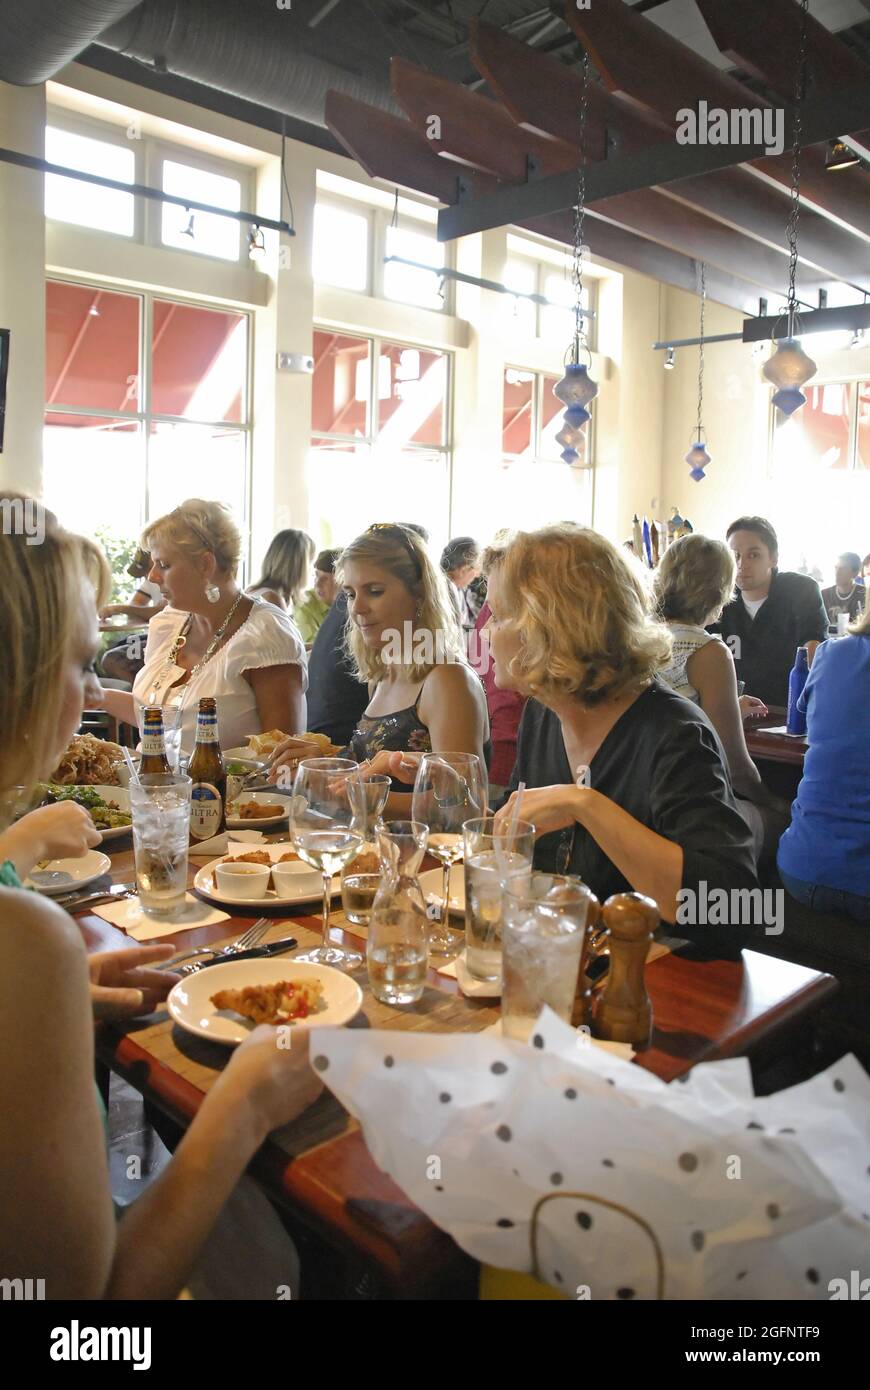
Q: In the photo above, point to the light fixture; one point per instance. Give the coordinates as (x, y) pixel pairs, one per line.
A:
(94, 311)
(857, 338)
(577, 389)
(670, 360)
(789, 367)
(256, 244)
(698, 456)
(839, 156)
(188, 230)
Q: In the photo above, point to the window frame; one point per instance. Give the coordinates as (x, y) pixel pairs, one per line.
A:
(88, 127)
(543, 269)
(851, 383)
(379, 220)
(537, 456)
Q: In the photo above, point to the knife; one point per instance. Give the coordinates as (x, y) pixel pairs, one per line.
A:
(274, 948)
(108, 895)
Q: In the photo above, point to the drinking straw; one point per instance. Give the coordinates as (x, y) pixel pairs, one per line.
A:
(512, 828)
(134, 775)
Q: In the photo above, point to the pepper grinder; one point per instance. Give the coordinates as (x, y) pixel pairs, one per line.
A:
(624, 1012)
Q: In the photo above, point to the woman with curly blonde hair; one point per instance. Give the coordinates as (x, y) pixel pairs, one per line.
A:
(627, 784)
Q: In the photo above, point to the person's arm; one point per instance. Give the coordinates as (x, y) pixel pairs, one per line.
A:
(61, 831)
(272, 596)
(455, 717)
(711, 672)
(121, 704)
(280, 697)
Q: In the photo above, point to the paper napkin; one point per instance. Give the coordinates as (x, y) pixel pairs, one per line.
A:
(128, 915)
(219, 844)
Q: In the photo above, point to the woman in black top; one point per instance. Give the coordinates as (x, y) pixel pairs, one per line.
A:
(572, 627)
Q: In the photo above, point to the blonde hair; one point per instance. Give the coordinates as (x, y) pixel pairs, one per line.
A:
(42, 588)
(287, 564)
(694, 579)
(198, 528)
(96, 568)
(583, 614)
(403, 554)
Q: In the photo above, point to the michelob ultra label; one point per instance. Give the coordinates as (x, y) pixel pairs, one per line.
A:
(206, 810)
(152, 741)
(206, 728)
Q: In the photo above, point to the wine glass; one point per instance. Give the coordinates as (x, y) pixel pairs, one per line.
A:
(450, 789)
(320, 828)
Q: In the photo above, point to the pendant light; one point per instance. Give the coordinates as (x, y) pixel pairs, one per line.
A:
(697, 458)
(789, 367)
(576, 388)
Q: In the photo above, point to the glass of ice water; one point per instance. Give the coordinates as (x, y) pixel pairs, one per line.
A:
(544, 942)
(160, 808)
(493, 860)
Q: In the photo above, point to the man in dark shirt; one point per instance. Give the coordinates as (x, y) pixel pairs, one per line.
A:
(771, 615)
(336, 699)
(845, 595)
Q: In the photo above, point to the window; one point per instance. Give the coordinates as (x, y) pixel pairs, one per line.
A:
(87, 204)
(141, 452)
(356, 227)
(341, 247)
(534, 269)
(407, 283)
(205, 233)
(824, 433)
(533, 486)
(379, 448)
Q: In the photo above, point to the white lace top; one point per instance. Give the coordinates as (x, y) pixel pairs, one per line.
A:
(268, 637)
(687, 640)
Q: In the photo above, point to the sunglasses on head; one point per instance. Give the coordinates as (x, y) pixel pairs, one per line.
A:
(401, 534)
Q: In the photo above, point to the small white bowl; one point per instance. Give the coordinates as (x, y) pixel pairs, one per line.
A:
(295, 877)
(242, 880)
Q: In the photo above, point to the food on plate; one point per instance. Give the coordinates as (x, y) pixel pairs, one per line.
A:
(367, 863)
(106, 815)
(254, 856)
(256, 810)
(287, 858)
(282, 1002)
(89, 761)
(264, 745)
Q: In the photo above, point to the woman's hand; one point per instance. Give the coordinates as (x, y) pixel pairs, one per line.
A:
(402, 766)
(61, 831)
(123, 984)
(112, 610)
(751, 708)
(546, 808)
(287, 755)
(271, 1072)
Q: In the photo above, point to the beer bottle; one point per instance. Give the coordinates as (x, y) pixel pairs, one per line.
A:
(154, 757)
(208, 813)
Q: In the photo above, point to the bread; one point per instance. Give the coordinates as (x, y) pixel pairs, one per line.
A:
(264, 745)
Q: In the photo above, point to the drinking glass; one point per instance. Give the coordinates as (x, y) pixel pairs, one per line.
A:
(320, 828)
(544, 944)
(450, 788)
(360, 878)
(160, 809)
(397, 948)
(493, 860)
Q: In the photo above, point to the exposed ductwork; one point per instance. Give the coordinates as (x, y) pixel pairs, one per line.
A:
(244, 50)
(39, 37)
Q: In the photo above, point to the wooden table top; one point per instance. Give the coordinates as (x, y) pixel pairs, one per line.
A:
(776, 747)
(320, 1168)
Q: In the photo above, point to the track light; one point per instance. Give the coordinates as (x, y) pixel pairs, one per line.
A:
(256, 244)
(188, 230)
(839, 156)
(670, 360)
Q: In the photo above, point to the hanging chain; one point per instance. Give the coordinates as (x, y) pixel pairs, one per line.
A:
(580, 214)
(703, 297)
(794, 215)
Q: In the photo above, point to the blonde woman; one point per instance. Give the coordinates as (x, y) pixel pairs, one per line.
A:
(213, 639)
(404, 639)
(286, 567)
(61, 1227)
(693, 582)
(627, 784)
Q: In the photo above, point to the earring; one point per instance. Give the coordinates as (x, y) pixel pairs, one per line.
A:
(213, 593)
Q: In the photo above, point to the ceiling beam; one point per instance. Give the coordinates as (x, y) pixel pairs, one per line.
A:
(851, 318)
(765, 41)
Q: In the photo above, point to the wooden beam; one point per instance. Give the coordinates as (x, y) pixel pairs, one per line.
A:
(765, 40)
(843, 197)
(472, 129)
(543, 96)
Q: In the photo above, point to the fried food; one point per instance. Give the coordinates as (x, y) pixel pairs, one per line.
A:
(282, 1002)
(89, 761)
(254, 856)
(288, 858)
(264, 745)
(258, 810)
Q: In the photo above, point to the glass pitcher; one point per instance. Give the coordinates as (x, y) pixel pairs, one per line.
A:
(361, 877)
(397, 949)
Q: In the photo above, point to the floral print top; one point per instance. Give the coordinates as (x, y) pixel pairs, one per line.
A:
(397, 732)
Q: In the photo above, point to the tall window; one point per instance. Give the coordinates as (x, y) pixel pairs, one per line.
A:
(552, 322)
(379, 448)
(146, 404)
(533, 486)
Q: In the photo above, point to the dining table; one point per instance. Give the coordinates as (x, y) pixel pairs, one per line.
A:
(318, 1171)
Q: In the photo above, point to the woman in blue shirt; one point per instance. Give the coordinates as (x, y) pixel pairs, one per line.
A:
(824, 856)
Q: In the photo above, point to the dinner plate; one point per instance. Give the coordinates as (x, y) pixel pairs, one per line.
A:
(258, 823)
(121, 797)
(431, 883)
(59, 875)
(310, 891)
(190, 1005)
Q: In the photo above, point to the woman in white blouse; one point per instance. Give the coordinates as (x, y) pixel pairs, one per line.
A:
(213, 639)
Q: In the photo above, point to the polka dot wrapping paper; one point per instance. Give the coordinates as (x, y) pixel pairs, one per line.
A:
(696, 1189)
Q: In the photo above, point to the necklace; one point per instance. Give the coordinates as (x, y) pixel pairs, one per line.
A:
(213, 645)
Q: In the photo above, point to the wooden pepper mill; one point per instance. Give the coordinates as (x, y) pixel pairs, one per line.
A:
(624, 1012)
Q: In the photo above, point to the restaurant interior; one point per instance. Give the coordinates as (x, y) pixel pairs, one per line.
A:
(435, 493)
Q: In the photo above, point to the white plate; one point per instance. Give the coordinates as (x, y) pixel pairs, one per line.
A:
(191, 1007)
(431, 882)
(244, 755)
(267, 822)
(311, 891)
(60, 875)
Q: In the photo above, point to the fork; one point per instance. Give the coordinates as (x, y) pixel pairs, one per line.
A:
(251, 937)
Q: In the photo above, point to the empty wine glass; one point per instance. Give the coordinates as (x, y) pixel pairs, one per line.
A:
(450, 789)
(321, 829)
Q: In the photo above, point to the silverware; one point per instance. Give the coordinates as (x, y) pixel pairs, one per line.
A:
(73, 902)
(247, 939)
(274, 948)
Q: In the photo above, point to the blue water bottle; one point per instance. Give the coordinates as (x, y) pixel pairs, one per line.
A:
(796, 720)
